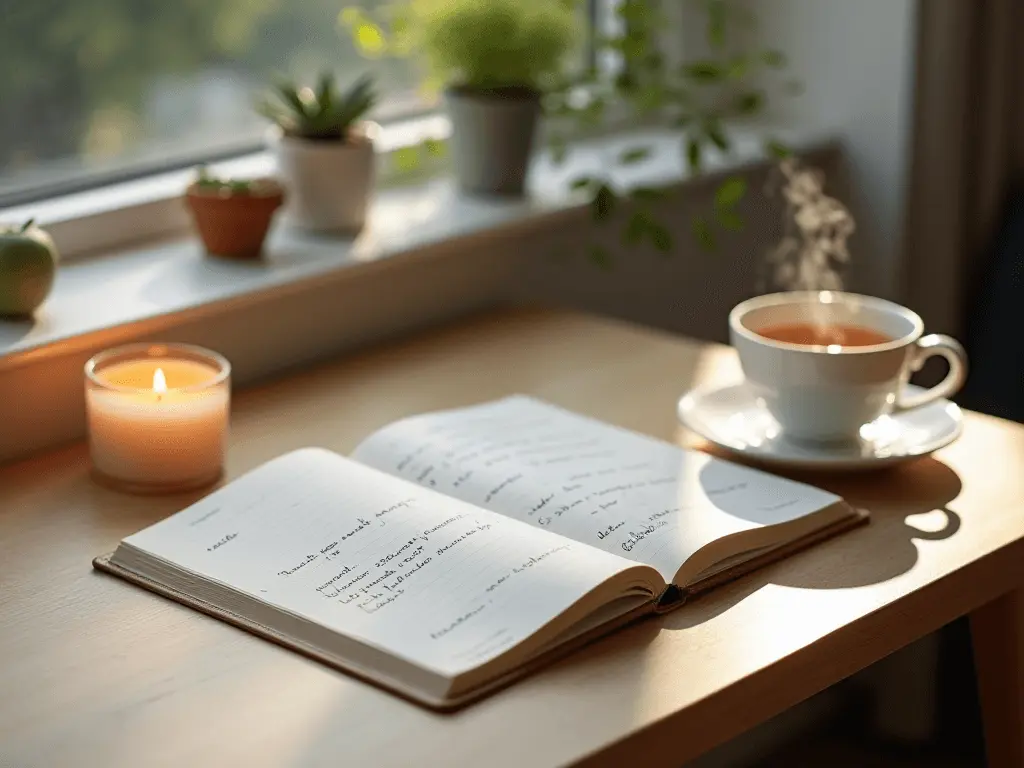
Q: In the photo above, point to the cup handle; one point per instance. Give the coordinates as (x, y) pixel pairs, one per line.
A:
(949, 348)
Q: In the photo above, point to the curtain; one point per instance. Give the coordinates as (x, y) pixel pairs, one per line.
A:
(964, 242)
(967, 152)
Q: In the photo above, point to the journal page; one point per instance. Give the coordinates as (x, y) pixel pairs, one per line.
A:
(431, 579)
(607, 487)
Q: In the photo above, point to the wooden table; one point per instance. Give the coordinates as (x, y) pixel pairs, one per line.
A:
(96, 672)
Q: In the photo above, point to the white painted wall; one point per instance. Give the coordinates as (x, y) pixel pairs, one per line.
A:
(856, 59)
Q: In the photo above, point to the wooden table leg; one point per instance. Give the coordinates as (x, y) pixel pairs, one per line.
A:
(997, 633)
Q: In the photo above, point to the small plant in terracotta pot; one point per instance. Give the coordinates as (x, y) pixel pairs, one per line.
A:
(233, 215)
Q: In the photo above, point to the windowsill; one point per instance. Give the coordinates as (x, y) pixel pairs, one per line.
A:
(104, 219)
(428, 255)
(154, 283)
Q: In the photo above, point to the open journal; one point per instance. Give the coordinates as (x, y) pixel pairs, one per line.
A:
(457, 550)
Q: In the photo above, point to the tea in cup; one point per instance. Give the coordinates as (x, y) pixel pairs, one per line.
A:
(827, 363)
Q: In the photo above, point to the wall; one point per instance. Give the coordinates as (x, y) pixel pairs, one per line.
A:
(856, 62)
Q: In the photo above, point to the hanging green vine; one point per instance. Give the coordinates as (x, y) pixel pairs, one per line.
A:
(699, 97)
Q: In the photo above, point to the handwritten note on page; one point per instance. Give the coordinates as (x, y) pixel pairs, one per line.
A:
(619, 491)
(434, 580)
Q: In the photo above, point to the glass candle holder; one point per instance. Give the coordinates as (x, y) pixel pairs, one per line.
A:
(157, 416)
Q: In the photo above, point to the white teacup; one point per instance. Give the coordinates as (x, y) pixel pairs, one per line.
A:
(827, 393)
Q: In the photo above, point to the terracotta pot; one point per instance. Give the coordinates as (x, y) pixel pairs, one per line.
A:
(233, 224)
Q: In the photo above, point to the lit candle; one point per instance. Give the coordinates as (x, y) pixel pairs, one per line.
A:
(158, 416)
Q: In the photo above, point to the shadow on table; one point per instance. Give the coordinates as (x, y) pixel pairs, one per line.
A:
(907, 504)
(114, 514)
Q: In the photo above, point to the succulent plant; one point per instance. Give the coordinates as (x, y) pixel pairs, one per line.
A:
(325, 113)
(213, 185)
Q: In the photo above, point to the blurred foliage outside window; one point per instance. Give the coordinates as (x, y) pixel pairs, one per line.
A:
(100, 88)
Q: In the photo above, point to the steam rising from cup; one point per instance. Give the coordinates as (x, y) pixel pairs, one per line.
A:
(813, 251)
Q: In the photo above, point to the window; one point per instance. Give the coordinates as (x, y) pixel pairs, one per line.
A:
(99, 90)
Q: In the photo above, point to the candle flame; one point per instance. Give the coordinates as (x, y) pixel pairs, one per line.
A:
(159, 381)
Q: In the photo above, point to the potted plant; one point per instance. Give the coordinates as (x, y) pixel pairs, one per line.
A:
(495, 58)
(28, 264)
(233, 215)
(324, 153)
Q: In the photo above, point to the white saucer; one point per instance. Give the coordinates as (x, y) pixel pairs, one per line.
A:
(734, 420)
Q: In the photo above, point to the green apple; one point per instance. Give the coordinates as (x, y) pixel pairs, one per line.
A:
(28, 263)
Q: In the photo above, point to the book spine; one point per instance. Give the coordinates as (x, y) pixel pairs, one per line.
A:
(670, 599)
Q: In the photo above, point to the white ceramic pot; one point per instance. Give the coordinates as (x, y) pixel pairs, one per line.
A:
(329, 184)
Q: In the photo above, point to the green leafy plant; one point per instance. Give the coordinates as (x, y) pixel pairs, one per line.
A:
(323, 113)
(206, 183)
(508, 47)
(474, 44)
(700, 98)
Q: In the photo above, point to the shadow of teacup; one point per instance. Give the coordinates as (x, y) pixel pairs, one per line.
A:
(908, 507)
